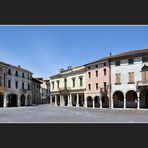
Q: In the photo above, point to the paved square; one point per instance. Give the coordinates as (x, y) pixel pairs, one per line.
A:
(52, 114)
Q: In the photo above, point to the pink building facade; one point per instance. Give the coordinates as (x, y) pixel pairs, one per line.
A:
(97, 91)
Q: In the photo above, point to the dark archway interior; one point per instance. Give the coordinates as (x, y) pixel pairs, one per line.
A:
(89, 102)
(1, 100)
(118, 99)
(22, 100)
(97, 101)
(131, 99)
(12, 100)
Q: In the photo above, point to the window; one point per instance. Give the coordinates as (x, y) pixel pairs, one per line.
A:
(144, 59)
(73, 82)
(104, 72)
(144, 73)
(96, 86)
(89, 86)
(65, 83)
(28, 86)
(118, 78)
(53, 85)
(117, 63)
(130, 61)
(89, 67)
(130, 77)
(1, 69)
(9, 71)
(28, 76)
(104, 85)
(96, 73)
(104, 64)
(9, 83)
(23, 76)
(57, 84)
(16, 84)
(89, 74)
(81, 81)
(16, 73)
(22, 85)
(96, 66)
(1, 83)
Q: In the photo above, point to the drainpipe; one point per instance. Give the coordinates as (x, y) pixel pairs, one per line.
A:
(110, 77)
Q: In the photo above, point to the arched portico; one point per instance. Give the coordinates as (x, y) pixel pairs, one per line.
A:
(105, 101)
(28, 100)
(22, 100)
(144, 98)
(12, 100)
(118, 99)
(89, 101)
(1, 100)
(97, 101)
(131, 99)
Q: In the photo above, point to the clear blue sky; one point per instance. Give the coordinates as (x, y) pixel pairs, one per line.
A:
(46, 49)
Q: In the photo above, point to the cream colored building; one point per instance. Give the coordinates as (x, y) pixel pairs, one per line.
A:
(68, 87)
(15, 86)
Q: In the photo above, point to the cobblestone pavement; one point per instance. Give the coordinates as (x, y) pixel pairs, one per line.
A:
(49, 113)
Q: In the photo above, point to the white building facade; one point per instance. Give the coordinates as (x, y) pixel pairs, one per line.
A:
(15, 86)
(129, 80)
(68, 87)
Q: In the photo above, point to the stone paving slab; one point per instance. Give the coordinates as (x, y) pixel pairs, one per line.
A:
(56, 114)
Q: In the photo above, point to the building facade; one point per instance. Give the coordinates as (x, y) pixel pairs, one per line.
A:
(15, 86)
(129, 80)
(68, 87)
(36, 95)
(97, 84)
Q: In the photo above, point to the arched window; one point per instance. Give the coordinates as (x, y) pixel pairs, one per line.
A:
(1, 83)
(144, 73)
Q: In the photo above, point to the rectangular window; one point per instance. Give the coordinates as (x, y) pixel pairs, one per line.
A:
(28, 76)
(81, 81)
(73, 82)
(144, 75)
(104, 72)
(89, 86)
(96, 66)
(16, 84)
(96, 73)
(23, 76)
(53, 85)
(144, 59)
(89, 67)
(89, 74)
(104, 64)
(96, 86)
(130, 61)
(28, 86)
(22, 85)
(57, 84)
(117, 63)
(9, 83)
(118, 78)
(131, 77)
(16, 73)
(9, 71)
(104, 85)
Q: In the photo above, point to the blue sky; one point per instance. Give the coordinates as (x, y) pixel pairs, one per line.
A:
(46, 49)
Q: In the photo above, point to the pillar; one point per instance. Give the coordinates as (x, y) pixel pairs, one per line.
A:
(124, 102)
(5, 100)
(100, 102)
(93, 103)
(138, 100)
(70, 100)
(112, 102)
(26, 100)
(77, 105)
(55, 100)
(50, 99)
(18, 101)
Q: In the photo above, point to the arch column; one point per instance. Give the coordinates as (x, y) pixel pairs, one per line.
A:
(85, 102)
(70, 100)
(100, 101)
(55, 100)
(112, 102)
(93, 102)
(26, 100)
(124, 102)
(77, 105)
(19, 101)
(51, 99)
(138, 100)
(5, 100)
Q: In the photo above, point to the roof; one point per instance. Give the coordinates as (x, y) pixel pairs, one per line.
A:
(36, 80)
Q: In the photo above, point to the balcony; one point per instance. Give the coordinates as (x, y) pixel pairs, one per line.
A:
(142, 83)
(2, 88)
(103, 90)
(64, 88)
(23, 90)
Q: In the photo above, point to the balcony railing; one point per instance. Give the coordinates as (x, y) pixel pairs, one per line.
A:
(142, 83)
(23, 90)
(64, 88)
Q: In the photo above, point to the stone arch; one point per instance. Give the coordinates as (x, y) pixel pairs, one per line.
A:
(131, 99)
(89, 101)
(12, 100)
(1, 100)
(118, 99)
(105, 101)
(22, 100)
(28, 100)
(144, 98)
(97, 101)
